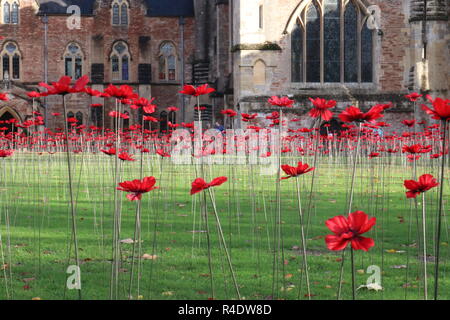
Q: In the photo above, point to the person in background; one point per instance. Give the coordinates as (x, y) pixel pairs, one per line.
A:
(219, 127)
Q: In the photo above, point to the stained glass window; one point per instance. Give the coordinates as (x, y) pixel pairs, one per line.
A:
(313, 43)
(332, 41)
(124, 14)
(6, 13)
(15, 13)
(73, 61)
(350, 44)
(120, 62)
(115, 13)
(10, 64)
(167, 62)
(366, 54)
(297, 53)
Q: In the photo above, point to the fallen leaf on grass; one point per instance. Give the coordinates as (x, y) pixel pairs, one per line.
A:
(371, 286)
(401, 266)
(168, 293)
(395, 251)
(147, 256)
(36, 298)
(288, 276)
(129, 240)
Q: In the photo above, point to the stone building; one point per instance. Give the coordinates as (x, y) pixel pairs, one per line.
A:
(354, 51)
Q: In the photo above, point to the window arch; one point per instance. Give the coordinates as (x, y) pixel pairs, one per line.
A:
(10, 11)
(79, 117)
(119, 12)
(331, 43)
(120, 61)
(259, 73)
(73, 61)
(172, 117)
(11, 57)
(167, 61)
(163, 122)
(70, 114)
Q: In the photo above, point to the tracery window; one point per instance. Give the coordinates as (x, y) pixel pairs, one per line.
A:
(120, 61)
(73, 61)
(10, 66)
(167, 62)
(331, 43)
(10, 11)
(119, 12)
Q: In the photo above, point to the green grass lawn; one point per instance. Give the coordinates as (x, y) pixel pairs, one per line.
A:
(36, 242)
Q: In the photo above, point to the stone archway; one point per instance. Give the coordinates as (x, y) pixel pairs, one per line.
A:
(6, 115)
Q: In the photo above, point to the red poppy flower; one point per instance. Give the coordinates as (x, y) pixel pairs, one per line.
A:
(120, 93)
(413, 96)
(409, 123)
(109, 152)
(55, 114)
(150, 118)
(96, 105)
(63, 87)
(248, 117)
(199, 91)
(273, 116)
(172, 109)
(352, 114)
(33, 94)
(301, 168)
(348, 230)
(440, 111)
(416, 148)
(321, 107)
(92, 92)
(373, 155)
(162, 153)
(6, 153)
(137, 187)
(425, 183)
(199, 184)
(229, 112)
(281, 102)
(125, 157)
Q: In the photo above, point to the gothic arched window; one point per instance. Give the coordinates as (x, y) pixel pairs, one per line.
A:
(331, 43)
(163, 122)
(10, 11)
(79, 117)
(10, 65)
(119, 12)
(167, 62)
(73, 61)
(120, 61)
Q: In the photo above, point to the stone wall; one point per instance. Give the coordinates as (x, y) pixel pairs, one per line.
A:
(144, 35)
(396, 49)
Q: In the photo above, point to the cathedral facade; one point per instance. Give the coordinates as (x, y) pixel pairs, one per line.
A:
(358, 52)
